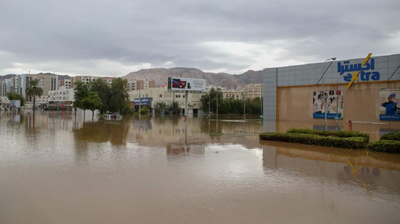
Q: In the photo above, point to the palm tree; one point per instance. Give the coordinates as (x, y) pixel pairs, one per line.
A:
(34, 90)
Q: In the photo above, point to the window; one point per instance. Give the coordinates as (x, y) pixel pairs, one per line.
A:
(160, 95)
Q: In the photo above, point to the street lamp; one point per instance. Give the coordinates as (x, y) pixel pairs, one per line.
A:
(323, 90)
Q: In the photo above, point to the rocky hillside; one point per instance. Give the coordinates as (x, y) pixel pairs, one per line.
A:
(160, 76)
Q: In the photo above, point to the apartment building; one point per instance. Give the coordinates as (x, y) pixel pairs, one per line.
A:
(252, 91)
(67, 83)
(232, 94)
(62, 95)
(140, 84)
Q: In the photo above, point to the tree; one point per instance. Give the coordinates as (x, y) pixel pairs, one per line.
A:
(92, 102)
(161, 107)
(103, 90)
(119, 95)
(174, 108)
(81, 92)
(16, 96)
(211, 99)
(34, 90)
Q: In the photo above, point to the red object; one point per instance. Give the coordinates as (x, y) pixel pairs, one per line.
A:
(338, 92)
(350, 126)
(185, 118)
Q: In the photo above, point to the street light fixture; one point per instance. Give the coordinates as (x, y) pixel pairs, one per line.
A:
(323, 90)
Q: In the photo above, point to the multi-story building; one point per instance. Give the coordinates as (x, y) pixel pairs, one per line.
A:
(48, 82)
(84, 79)
(155, 95)
(108, 80)
(232, 94)
(19, 83)
(140, 84)
(252, 91)
(62, 95)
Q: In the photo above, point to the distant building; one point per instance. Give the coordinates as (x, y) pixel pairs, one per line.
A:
(67, 83)
(84, 79)
(232, 94)
(19, 83)
(62, 95)
(140, 84)
(155, 95)
(252, 91)
(108, 80)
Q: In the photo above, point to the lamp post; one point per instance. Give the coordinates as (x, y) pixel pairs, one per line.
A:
(323, 91)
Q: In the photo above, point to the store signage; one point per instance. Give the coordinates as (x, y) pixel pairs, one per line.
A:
(143, 101)
(356, 72)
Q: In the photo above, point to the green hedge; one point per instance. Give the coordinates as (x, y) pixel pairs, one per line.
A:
(340, 134)
(390, 146)
(316, 139)
(391, 136)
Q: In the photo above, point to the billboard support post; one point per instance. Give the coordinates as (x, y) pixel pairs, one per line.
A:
(186, 104)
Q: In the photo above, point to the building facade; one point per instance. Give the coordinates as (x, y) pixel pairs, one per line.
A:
(232, 94)
(139, 84)
(62, 95)
(156, 95)
(252, 91)
(362, 89)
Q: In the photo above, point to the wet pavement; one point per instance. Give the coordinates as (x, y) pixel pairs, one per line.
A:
(56, 168)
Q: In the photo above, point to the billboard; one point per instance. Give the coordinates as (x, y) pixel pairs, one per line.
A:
(186, 84)
(333, 104)
(15, 103)
(389, 104)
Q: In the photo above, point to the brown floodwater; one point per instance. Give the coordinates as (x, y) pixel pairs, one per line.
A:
(57, 168)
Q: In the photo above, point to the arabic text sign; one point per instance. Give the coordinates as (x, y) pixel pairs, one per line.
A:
(186, 84)
(389, 104)
(143, 101)
(15, 103)
(358, 72)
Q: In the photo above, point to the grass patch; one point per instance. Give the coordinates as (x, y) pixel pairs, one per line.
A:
(390, 146)
(317, 139)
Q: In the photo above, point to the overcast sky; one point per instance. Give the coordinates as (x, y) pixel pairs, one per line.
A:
(115, 37)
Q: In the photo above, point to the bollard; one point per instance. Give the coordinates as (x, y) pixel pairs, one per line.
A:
(350, 126)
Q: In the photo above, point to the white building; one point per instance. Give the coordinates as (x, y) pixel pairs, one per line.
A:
(163, 95)
(62, 95)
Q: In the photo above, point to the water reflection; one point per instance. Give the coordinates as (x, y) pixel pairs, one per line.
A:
(211, 171)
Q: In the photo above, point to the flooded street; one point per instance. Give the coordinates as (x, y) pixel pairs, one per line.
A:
(56, 168)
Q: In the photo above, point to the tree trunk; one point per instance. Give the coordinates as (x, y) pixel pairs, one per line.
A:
(92, 115)
(84, 113)
(34, 99)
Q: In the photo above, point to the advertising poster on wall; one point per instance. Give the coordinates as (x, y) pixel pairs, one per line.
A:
(333, 104)
(389, 104)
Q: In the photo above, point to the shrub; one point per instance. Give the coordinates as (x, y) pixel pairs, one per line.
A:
(144, 111)
(390, 146)
(127, 110)
(341, 134)
(316, 139)
(391, 136)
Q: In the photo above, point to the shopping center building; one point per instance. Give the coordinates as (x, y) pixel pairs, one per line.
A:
(363, 89)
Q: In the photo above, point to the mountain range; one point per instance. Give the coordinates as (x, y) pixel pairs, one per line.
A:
(160, 76)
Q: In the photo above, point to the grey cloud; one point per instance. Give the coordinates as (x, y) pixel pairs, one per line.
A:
(134, 32)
